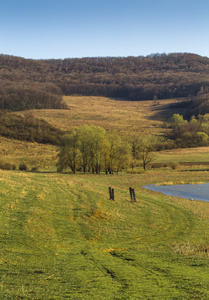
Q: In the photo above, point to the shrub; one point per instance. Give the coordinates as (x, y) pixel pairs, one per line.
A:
(6, 166)
(165, 165)
(174, 165)
(156, 165)
(34, 169)
(23, 167)
(177, 119)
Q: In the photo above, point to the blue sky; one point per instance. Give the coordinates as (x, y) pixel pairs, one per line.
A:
(87, 28)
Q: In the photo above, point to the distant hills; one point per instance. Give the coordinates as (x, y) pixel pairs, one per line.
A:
(28, 84)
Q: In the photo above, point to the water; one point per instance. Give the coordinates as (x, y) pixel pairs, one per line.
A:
(188, 191)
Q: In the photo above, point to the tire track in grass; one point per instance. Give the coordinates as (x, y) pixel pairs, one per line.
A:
(78, 211)
(175, 223)
(110, 269)
(178, 223)
(145, 277)
(73, 206)
(170, 276)
(122, 273)
(142, 278)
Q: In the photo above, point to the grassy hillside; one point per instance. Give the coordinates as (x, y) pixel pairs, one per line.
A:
(62, 238)
(33, 154)
(113, 114)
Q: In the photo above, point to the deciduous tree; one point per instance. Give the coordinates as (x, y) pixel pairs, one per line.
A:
(69, 155)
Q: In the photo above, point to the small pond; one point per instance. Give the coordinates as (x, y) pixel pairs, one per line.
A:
(189, 191)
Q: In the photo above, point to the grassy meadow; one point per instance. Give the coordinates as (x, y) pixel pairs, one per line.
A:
(62, 237)
(125, 117)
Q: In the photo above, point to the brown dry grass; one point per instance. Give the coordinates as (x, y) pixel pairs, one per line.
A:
(187, 150)
(113, 114)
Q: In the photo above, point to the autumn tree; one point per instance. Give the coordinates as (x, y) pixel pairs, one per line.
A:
(143, 147)
(69, 155)
(84, 135)
(119, 153)
(147, 146)
(93, 149)
(96, 147)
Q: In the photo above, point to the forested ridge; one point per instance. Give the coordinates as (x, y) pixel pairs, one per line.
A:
(28, 83)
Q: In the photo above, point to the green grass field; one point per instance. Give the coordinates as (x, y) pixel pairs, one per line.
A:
(62, 238)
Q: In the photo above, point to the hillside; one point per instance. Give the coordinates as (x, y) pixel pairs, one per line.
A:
(125, 117)
(28, 84)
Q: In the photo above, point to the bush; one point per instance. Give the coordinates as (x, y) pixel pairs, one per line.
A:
(177, 119)
(174, 165)
(34, 169)
(156, 165)
(23, 167)
(165, 165)
(6, 166)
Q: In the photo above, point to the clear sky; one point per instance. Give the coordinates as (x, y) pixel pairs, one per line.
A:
(87, 28)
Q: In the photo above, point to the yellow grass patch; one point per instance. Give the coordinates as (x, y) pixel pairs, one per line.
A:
(186, 150)
(100, 214)
(114, 249)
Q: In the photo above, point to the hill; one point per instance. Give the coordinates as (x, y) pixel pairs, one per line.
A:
(28, 83)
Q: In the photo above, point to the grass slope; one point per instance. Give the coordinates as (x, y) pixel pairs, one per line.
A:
(113, 114)
(62, 238)
(33, 154)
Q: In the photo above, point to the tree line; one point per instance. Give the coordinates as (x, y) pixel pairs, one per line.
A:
(93, 149)
(27, 83)
(189, 133)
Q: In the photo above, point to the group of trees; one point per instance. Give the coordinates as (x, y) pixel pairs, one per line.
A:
(192, 133)
(27, 83)
(92, 149)
(135, 78)
(18, 97)
(28, 128)
(199, 104)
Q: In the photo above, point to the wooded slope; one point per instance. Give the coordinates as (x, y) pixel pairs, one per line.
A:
(28, 83)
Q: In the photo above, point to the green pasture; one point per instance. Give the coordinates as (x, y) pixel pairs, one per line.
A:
(62, 238)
